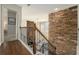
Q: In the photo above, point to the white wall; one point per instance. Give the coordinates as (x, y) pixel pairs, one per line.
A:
(5, 18)
(15, 8)
(78, 43)
(0, 24)
(78, 33)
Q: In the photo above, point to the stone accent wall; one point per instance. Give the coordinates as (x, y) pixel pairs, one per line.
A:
(63, 30)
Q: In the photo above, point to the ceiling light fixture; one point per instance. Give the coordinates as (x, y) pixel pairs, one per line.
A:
(28, 4)
(56, 9)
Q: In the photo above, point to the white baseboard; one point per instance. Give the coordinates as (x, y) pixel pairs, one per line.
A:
(26, 46)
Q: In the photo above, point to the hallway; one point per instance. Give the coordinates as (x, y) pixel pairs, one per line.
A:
(13, 48)
(42, 29)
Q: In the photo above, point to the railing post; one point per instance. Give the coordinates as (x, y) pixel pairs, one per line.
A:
(34, 47)
(34, 42)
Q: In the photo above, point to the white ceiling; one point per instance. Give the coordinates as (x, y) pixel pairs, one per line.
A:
(45, 7)
(41, 11)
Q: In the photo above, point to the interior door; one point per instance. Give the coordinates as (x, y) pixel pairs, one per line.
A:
(10, 26)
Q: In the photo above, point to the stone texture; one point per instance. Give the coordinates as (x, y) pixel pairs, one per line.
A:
(63, 30)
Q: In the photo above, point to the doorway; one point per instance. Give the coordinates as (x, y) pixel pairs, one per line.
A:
(10, 26)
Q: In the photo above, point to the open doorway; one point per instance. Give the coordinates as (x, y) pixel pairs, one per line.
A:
(10, 26)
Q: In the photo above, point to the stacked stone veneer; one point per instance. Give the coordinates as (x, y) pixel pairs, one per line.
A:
(63, 30)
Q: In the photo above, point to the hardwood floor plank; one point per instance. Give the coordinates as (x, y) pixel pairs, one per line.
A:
(13, 48)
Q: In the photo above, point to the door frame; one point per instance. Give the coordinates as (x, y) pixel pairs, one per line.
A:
(7, 21)
(3, 7)
(18, 10)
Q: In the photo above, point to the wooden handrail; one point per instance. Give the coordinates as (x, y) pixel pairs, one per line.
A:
(22, 27)
(41, 34)
(45, 37)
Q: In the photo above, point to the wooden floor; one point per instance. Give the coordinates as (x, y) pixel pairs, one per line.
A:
(13, 48)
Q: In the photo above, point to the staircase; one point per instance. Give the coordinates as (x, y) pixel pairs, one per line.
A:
(36, 40)
(39, 45)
